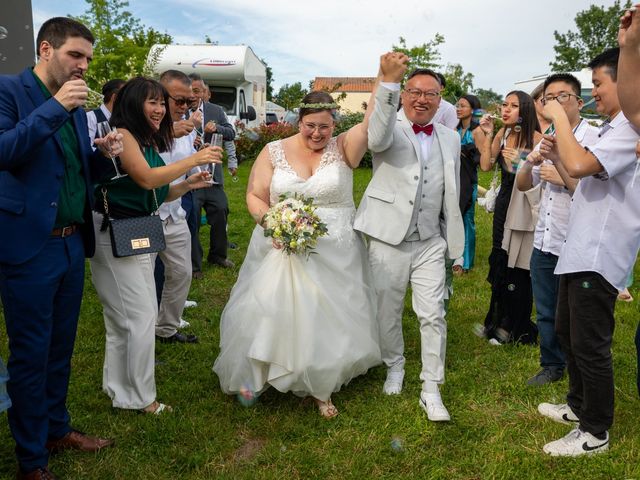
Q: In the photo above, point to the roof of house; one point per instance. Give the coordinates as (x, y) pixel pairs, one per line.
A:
(346, 84)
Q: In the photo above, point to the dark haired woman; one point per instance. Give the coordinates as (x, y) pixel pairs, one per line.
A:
(509, 316)
(125, 285)
(303, 325)
(471, 140)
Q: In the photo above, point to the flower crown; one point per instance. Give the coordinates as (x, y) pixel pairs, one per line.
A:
(330, 106)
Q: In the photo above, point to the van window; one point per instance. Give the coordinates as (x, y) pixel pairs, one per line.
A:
(271, 118)
(225, 97)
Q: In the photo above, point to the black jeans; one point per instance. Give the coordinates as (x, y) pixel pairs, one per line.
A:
(584, 325)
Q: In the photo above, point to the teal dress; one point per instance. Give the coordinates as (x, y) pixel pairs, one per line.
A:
(469, 159)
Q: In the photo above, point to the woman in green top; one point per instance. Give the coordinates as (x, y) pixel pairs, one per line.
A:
(125, 285)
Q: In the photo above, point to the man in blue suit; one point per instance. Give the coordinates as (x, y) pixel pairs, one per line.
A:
(45, 220)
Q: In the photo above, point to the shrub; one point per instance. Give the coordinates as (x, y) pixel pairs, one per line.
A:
(251, 141)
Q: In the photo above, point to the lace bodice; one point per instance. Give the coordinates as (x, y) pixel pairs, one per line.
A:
(331, 187)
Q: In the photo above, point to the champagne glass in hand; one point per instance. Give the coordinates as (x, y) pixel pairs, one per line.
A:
(104, 129)
(216, 141)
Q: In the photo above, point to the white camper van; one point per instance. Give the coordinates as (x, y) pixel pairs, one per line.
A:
(236, 77)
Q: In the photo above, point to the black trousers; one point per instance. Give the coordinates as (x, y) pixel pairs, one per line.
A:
(216, 206)
(511, 301)
(584, 326)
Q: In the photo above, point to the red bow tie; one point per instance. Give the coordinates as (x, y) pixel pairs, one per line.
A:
(428, 129)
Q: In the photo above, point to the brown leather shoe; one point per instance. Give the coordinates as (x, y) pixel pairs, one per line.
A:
(79, 441)
(39, 474)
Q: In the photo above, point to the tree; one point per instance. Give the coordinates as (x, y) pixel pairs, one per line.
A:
(426, 55)
(269, 80)
(458, 82)
(597, 30)
(122, 42)
(290, 96)
(488, 98)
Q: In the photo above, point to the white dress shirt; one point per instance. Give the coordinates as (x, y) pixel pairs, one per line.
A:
(604, 225)
(92, 121)
(553, 217)
(181, 148)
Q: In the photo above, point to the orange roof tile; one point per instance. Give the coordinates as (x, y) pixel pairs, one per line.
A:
(346, 84)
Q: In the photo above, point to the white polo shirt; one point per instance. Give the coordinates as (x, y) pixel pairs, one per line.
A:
(604, 225)
(553, 217)
(446, 115)
(181, 148)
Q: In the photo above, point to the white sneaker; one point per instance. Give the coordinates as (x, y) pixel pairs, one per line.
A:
(183, 324)
(577, 443)
(495, 342)
(190, 303)
(432, 404)
(393, 383)
(560, 413)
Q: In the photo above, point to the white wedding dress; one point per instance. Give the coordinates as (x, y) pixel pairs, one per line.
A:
(302, 325)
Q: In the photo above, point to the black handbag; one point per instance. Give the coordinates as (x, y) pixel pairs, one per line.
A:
(135, 235)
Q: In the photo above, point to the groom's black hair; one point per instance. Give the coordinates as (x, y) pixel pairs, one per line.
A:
(425, 71)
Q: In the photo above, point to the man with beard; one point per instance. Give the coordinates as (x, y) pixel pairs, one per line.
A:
(45, 218)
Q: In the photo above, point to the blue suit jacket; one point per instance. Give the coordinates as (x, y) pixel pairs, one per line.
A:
(32, 166)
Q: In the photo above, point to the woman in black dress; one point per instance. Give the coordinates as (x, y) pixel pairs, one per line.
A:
(509, 316)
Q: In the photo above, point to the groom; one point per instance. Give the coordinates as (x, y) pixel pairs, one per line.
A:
(410, 212)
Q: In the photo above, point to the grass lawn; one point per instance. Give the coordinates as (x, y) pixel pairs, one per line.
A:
(495, 430)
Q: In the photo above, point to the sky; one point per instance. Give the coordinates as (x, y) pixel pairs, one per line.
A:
(499, 41)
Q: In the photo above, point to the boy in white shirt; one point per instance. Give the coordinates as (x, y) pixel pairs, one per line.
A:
(553, 218)
(601, 246)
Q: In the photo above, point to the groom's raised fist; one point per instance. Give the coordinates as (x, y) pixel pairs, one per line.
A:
(393, 65)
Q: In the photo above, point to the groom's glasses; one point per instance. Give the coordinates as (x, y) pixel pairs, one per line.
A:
(416, 93)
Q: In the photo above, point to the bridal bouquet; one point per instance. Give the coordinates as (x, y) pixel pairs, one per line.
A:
(293, 224)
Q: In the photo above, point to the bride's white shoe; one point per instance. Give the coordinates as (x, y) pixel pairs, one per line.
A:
(393, 383)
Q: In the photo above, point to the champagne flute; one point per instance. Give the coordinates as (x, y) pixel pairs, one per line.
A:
(104, 129)
(216, 141)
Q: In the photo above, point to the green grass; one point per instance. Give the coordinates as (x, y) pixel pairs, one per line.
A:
(495, 430)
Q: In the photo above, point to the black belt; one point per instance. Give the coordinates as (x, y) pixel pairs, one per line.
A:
(64, 231)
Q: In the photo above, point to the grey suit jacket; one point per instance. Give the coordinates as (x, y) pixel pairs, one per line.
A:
(387, 204)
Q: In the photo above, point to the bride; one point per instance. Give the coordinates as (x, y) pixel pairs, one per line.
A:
(305, 325)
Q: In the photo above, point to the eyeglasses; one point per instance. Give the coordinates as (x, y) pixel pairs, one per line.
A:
(458, 105)
(561, 98)
(416, 93)
(179, 101)
(311, 127)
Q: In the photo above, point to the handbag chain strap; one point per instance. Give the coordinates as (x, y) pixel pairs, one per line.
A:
(155, 200)
(104, 201)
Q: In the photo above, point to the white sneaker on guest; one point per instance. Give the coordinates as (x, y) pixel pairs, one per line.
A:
(190, 303)
(432, 404)
(393, 383)
(577, 443)
(560, 413)
(183, 324)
